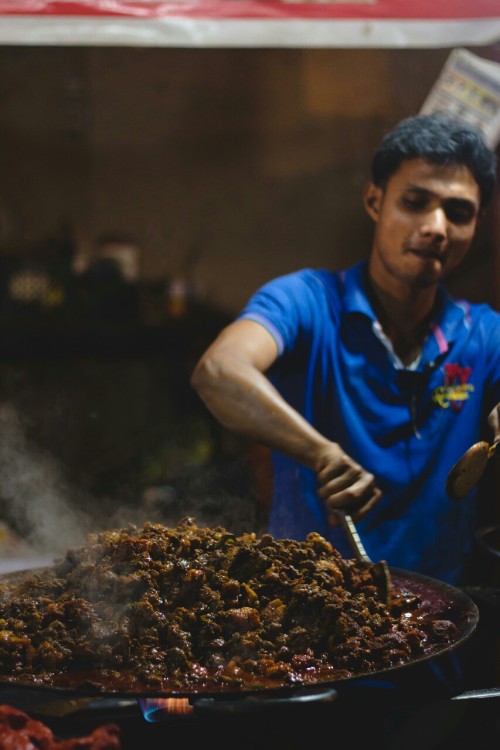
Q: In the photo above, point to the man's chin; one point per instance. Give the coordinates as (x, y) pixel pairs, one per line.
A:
(426, 272)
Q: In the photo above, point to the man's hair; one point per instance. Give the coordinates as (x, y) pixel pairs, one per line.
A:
(439, 139)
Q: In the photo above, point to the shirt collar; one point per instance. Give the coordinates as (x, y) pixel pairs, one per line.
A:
(451, 316)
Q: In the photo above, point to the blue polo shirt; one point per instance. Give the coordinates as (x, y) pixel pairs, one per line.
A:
(406, 426)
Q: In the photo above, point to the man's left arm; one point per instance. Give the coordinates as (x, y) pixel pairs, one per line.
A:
(494, 422)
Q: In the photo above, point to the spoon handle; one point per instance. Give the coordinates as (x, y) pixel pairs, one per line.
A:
(353, 536)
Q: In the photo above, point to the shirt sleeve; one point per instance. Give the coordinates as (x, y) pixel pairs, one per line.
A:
(283, 307)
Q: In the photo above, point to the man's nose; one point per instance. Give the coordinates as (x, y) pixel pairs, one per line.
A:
(435, 223)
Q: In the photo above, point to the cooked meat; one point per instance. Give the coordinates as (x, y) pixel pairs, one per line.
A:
(18, 731)
(189, 608)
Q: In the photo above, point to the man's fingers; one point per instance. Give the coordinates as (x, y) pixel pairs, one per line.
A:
(353, 484)
(357, 506)
(360, 513)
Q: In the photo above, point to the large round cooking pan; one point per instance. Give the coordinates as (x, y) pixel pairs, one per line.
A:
(439, 601)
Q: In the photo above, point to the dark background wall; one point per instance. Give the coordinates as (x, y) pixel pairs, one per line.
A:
(230, 164)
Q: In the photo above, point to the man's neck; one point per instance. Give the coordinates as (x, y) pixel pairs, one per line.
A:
(405, 318)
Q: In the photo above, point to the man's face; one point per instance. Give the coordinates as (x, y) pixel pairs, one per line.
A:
(425, 220)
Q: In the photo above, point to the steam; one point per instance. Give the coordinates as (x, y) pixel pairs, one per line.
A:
(199, 492)
(33, 492)
(49, 516)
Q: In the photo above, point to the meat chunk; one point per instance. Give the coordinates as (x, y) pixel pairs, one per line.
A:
(18, 731)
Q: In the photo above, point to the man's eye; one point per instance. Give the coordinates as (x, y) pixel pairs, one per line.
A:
(414, 204)
(459, 214)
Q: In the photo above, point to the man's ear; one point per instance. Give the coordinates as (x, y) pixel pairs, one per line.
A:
(372, 199)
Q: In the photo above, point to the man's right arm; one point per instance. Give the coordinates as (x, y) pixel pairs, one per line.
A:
(230, 378)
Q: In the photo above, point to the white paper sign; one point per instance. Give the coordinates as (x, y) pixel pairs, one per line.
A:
(469, 87)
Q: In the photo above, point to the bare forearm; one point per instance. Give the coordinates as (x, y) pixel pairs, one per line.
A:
(247, 403)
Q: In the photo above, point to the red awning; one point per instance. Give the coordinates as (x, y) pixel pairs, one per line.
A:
(252, 23)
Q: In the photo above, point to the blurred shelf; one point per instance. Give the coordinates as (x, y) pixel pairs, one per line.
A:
(188, 334)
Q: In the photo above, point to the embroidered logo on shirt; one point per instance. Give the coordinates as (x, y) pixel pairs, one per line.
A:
(456, 389)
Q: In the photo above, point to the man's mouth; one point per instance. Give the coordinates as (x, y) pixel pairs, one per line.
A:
(428, 253)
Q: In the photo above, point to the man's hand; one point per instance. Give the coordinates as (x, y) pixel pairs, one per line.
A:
(494, 422)
(343, 483)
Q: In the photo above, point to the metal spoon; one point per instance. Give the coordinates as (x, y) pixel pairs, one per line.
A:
(468, 470)
(380, 570)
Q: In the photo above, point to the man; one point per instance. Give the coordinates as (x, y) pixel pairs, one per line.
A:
(369, 383)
